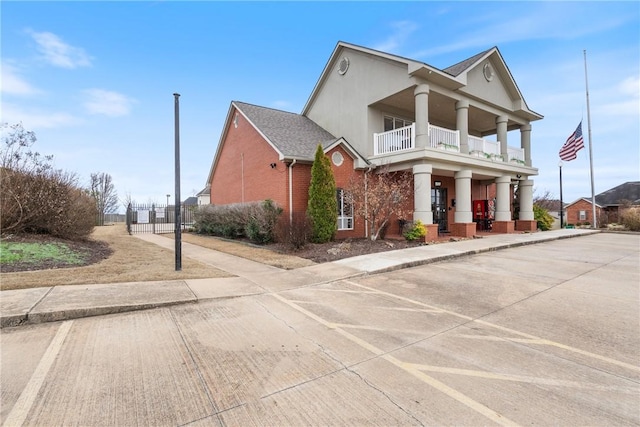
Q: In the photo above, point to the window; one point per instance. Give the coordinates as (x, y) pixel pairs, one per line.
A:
(391, 123)
(345, 211)
(583, 215)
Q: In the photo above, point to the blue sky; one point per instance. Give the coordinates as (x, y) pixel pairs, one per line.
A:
(95, 80)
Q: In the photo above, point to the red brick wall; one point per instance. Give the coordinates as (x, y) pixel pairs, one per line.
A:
(572, 213)
(244, 163)
(342, 175)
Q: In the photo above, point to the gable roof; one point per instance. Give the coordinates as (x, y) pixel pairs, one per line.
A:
(452, 78)
(627, 191)
(291, 135)
(457, 69)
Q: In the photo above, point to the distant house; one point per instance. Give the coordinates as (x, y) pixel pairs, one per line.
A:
(608, 204)
(190, 201)
(204, 196)
(371, 110)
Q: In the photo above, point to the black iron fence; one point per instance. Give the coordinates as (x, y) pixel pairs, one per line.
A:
(157, 219)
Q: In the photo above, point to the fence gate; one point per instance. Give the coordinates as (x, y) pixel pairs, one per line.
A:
(157, 219)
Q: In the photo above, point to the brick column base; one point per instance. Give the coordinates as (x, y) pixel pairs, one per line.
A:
(522, 225)
(503, 226)
(463, 229)
(432, 232)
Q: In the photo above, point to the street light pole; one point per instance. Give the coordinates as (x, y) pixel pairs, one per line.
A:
(561, 204)
(178, 219)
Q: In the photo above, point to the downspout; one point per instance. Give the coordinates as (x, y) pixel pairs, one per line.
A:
(291, 191)
(242, 175)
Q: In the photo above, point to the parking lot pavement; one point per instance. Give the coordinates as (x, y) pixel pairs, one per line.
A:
(545, 334)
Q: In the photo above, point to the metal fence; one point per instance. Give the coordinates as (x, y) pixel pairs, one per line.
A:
(157, 219)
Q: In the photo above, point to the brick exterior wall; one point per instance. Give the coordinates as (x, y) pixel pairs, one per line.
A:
(572, 212)
(243, 172)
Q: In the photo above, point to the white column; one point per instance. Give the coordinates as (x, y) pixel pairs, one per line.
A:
(463, 197)
(526, 200)
(503, 198)
(422, 194)
(525, 143)
(501, 124)
(421, 94)
(462, 123)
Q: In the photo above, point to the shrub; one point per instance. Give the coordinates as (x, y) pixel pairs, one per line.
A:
(255, 220)
(261, 223)
(630, 218)
(541, 215)
(295, 234)
(417, 231)
(35, 198)
(323, 205)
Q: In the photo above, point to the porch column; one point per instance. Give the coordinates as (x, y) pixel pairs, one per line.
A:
(501, 123)
(503, 193)
(462, 123)
(463, 225)
(525, 143)
(421, 94)
(463, 197)
(526, 221)
(422, 193)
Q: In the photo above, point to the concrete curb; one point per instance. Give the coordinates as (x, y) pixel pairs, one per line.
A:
(53, 304)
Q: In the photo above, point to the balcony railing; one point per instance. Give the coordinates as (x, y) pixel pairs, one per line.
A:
(444, 139)
(394, 140)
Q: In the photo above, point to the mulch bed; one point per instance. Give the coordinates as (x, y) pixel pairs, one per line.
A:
(91, 252)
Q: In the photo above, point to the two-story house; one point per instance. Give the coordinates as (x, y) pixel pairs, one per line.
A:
(448, 127)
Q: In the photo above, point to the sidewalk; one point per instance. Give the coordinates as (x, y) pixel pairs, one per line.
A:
(50, 304)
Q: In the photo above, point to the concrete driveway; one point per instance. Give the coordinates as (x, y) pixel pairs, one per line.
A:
(546, 334)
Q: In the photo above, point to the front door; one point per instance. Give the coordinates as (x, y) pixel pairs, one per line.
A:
(439, 208)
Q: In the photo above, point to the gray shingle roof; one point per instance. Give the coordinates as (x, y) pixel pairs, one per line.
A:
(292, 134)
(458, 68)
(627, 191)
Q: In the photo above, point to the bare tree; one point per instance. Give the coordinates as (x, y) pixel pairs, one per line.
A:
(377, 197)
(104, 194)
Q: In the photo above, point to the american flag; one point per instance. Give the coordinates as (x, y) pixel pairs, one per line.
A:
(574, 144)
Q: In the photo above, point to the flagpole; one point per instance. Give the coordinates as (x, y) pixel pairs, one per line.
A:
(593, 195)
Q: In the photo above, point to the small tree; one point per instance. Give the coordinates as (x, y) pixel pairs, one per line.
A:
(323, 205)
(104, 193)
(376, 198)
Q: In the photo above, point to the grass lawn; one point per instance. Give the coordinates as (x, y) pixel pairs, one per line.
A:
(36, 253)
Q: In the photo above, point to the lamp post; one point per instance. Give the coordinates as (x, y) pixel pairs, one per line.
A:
(178, 234)
(561, 204)
(168, 195)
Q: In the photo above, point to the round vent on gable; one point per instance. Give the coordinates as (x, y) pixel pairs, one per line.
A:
(343, 66)
(337, 158)
(487, 70)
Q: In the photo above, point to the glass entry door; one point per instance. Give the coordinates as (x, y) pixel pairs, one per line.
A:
(439, 208)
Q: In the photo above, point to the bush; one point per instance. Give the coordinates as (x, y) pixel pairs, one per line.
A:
(295, 234)
(630, 218)
(541, 215)
(417, 231)
(35, 198)
(261, 224)
(255, 220)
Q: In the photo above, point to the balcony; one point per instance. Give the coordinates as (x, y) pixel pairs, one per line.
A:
(403, 139)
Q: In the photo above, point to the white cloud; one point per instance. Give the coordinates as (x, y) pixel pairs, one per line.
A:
(13, 83)
(401, 32)
(33, 120)
(58, 53)
(108, 103)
